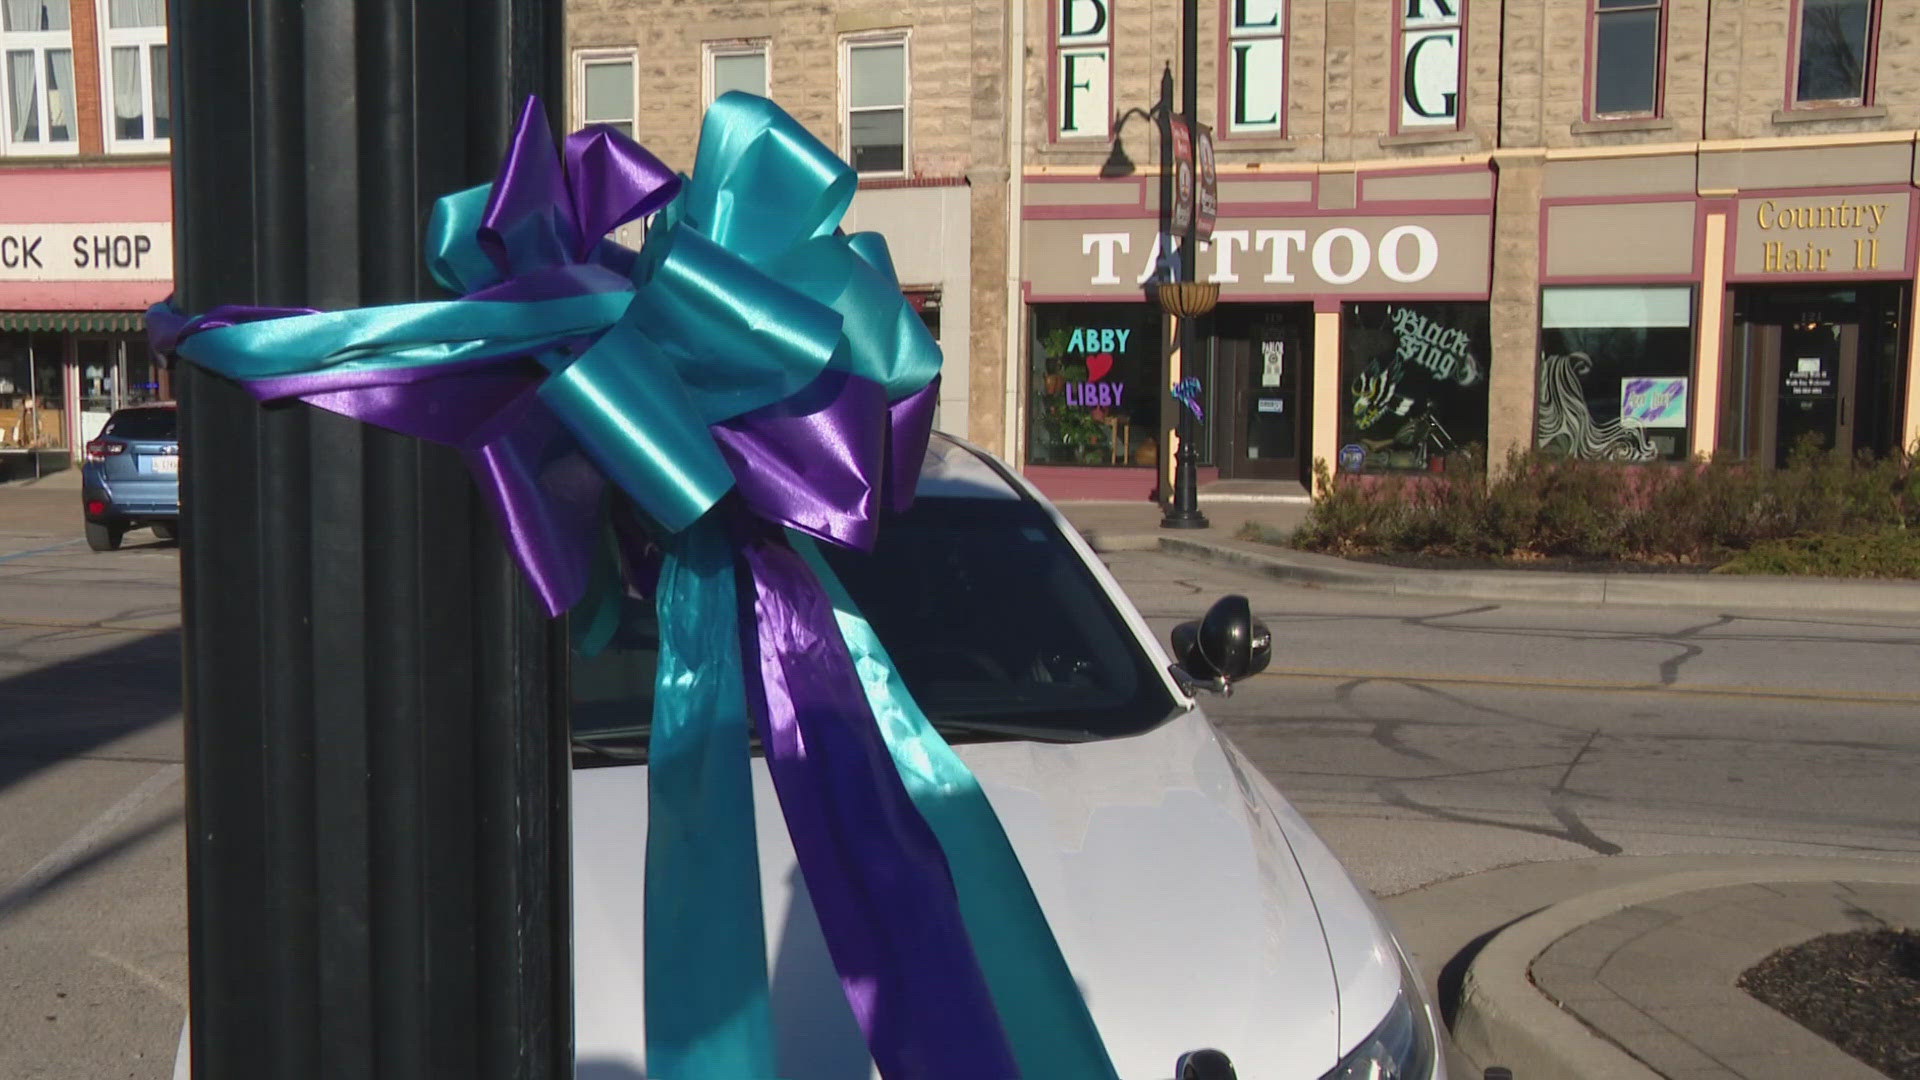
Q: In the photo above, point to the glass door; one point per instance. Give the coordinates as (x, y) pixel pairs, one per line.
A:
(1263, 353)
(1819, 363)
(1814, 366)
(102, 382)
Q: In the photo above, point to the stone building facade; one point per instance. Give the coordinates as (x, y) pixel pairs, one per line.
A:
(1630, 229)
(913, 93)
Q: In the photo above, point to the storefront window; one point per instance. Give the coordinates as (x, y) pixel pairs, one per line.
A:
(1413, 384)
(1093, 384)
(32, 392)
(1615, 373)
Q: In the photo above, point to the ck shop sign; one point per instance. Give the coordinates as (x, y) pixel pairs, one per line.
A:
(1430, 255)
(106, 251)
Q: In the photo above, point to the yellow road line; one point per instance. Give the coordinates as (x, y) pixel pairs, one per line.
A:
(1694, 689)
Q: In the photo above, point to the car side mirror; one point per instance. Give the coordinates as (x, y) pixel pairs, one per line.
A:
(1220, 649)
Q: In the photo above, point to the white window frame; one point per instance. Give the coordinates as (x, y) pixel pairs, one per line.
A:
(39, 42)
(586, 58)
(143, 38)
(1255, 34)
(710, 50)
(1430, 25)
(1081, 46)
(904, 39)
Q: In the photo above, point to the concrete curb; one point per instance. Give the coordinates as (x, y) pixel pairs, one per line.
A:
(1503, 1018)
(1685, 590)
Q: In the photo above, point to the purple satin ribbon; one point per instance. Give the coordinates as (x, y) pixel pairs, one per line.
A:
(877, 877)
(824, 462)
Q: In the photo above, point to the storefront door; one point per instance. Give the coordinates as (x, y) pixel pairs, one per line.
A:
(1262, 354)
(102, 382)
(1817, 367)
(1819, 362)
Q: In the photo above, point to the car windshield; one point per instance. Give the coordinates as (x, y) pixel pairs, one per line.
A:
(142, 424)
(997, 626)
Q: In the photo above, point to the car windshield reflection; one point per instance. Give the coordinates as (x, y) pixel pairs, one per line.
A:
(998, 627)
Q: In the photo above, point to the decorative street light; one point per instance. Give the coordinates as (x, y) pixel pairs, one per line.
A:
(1186, 299)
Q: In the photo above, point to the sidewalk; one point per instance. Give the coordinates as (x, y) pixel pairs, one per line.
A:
(1626, 967)
(1136, 527)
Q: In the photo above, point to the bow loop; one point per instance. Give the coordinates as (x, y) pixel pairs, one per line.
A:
(738, 338)
(762, 184)
(612, 180)
(529, 223)
(887, 342)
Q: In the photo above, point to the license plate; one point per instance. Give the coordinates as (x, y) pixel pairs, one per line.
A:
(168, 464)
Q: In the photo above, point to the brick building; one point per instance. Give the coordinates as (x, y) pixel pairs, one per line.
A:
(1629, 229)
(86, 240)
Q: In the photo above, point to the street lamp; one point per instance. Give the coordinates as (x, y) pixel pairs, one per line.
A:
(1118, 164)
(1185, 299)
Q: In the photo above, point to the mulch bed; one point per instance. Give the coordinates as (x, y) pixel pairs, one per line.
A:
(1859, 991)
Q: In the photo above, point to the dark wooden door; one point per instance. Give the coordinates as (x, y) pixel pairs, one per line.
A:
(1262, 356)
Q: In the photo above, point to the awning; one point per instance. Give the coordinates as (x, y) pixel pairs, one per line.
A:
(80, 322)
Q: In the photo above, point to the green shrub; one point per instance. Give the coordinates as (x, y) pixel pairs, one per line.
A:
(1894, 553)
(1542, 505)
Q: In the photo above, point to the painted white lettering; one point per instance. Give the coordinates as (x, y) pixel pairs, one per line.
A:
(1224, 242)
(1283, 243)
(1153, 260)
(1361, 256)
(1426, 257)
(1106, 242)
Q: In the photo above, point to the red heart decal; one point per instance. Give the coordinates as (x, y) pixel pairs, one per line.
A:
(1098, 365)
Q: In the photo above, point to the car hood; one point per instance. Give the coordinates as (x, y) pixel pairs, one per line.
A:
(1167, 872)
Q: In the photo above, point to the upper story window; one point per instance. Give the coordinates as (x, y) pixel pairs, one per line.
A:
(1627, 37)
(37, 38)
(1256, 66)
(134, 45)
(604, 88)
(1834, 42)
(1083, 69)
(1431, 48)
(874, 76)
(736, 65)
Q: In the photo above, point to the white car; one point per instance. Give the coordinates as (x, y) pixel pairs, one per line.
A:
(1195, 907)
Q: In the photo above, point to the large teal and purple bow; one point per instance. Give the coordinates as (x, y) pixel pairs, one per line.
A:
(751, 380)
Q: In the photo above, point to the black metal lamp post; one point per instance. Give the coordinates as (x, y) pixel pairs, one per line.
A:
(376, 704)
(1186, 299)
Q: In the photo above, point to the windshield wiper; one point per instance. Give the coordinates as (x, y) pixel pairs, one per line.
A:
(1005, 730)
(599, 749)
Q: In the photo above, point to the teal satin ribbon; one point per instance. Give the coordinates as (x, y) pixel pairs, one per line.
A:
(745, 293)
(1040, 1005)
(706, 950)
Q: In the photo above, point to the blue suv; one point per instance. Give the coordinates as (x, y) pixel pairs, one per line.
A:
(132, 476)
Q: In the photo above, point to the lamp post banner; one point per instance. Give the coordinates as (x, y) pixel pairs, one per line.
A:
(1182, 175)
(1207, 202)
(751, 381)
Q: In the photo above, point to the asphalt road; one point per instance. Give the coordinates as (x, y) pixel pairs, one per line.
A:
(1426, 739)
(92, 877)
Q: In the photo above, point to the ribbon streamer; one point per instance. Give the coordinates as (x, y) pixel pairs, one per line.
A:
(705, 409)
(1187, 392)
